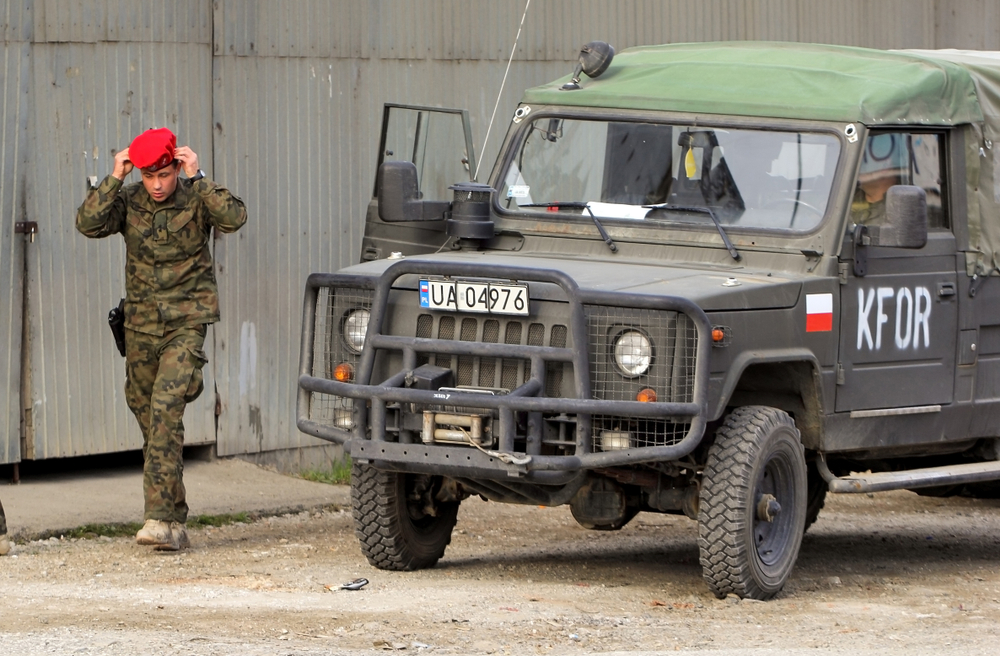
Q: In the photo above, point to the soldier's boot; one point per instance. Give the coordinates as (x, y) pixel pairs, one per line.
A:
(178, 538)
(155, 532)
(4, 545)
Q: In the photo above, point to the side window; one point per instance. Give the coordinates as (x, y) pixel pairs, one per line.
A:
(437, 141)
(892, 158)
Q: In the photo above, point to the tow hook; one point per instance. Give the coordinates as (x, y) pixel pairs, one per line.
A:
(767, 508)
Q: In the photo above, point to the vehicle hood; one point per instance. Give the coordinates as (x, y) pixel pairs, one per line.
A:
(711, 289)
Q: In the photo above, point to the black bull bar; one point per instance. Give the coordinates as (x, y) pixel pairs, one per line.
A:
(466, 461)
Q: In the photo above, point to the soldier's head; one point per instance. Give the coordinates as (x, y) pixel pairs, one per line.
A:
(883, 164)
(152, 152)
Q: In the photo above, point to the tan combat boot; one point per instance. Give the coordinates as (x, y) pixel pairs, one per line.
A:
(178, 538)
(154, 532)
(4, 545)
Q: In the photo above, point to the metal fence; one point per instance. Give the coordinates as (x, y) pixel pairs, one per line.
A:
(282, 102)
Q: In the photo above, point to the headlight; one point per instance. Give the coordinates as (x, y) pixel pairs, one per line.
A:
(633, 353)
(354, 329)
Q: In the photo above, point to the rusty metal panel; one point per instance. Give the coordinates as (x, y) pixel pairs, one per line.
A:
(968, 25)
(15, 73)
(291, 139)
(294, 28)
(89, 101)
(96, 21)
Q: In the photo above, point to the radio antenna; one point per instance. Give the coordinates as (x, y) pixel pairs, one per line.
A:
(490, 127)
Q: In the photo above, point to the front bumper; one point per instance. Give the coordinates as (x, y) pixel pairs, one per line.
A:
(397, 450)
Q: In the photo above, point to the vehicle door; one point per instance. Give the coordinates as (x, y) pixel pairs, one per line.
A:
(439, 143)
(899, 307)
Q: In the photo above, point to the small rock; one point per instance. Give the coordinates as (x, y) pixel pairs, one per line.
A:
(833, 580)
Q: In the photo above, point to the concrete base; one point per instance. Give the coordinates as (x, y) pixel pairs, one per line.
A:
(295, 461)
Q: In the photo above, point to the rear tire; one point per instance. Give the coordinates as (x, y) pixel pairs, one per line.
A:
(753, 504)
(400, 524)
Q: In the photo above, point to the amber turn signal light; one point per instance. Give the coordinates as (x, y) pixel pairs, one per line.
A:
(344, 372)
(646, 395)
(718, 334)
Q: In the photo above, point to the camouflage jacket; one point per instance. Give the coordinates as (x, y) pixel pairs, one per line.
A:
(169, 278)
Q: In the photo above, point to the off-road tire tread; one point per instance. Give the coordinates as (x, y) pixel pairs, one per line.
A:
(378, 511)
(725, 486)
(816, 489)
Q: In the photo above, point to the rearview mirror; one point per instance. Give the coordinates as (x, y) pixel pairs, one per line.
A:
(906, 219)
(399, 195)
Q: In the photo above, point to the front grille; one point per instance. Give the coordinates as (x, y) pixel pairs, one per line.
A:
(504, 373)
(674, 341)
(329, 349)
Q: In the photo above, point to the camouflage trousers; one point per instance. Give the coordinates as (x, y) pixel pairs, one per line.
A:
(162, 375)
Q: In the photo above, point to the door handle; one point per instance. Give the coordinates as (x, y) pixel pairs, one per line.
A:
(946, 289)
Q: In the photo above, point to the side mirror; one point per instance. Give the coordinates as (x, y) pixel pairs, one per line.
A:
(399, 195)
(906, 219)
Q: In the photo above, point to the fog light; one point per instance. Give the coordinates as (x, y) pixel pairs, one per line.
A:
(615, 440)
(343, 414)
(344, 372)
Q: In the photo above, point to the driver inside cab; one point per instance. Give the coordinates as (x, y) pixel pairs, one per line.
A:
(883, 165)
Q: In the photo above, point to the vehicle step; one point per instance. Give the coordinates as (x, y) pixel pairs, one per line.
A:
(975, 472)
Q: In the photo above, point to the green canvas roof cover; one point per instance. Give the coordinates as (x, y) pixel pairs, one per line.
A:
(783, 80)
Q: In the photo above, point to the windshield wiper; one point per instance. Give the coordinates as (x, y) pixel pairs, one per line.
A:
(580, 205)
(701, 210)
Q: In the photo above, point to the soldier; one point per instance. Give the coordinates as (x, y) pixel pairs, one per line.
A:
(4, 542)
(883, 165)
(171, 297)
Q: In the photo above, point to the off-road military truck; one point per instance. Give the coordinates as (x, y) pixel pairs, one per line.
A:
(713, 279)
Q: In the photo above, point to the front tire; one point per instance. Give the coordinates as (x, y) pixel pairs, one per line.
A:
(400, 524)
(753, 504)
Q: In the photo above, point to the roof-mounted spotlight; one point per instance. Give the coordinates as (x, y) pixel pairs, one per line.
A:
(595, 57)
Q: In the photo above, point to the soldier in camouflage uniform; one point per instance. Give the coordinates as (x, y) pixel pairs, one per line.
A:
(171, 296)
(4, 542)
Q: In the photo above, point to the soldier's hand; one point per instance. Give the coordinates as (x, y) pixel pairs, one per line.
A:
(122, 164)
(188, 159)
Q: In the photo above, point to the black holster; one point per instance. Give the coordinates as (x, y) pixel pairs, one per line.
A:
(116, 320)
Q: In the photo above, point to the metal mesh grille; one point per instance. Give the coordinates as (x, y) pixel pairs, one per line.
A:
(510, 367)
(467, 363)
(554, 370)
(673, 338)
(488, 366)
(611, 433)
(505, 373)
(329, 350)
(536, 337)
(424, 325)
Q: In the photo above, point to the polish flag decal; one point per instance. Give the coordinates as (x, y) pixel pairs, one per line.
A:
(819, 313)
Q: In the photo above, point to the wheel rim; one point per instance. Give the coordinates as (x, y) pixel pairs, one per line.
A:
(772, 537)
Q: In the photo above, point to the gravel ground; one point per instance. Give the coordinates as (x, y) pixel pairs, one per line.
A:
(891, 573)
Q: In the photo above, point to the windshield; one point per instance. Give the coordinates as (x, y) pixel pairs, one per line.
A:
(747, 178)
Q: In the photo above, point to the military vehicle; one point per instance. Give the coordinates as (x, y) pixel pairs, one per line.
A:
(719, 280)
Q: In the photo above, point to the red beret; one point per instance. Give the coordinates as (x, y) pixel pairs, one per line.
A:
(153, 149)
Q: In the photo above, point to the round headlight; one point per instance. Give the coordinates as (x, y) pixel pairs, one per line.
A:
(355, 328)
(633, 353)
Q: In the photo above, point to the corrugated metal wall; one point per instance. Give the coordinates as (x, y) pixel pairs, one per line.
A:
(282, 101)
(102, 72)
(15, 75)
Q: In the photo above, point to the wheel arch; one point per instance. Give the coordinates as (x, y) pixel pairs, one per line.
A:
(787, 379)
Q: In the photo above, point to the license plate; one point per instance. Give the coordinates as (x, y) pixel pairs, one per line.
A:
(482, 297)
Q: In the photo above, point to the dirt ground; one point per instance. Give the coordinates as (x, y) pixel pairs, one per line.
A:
(892, 573)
